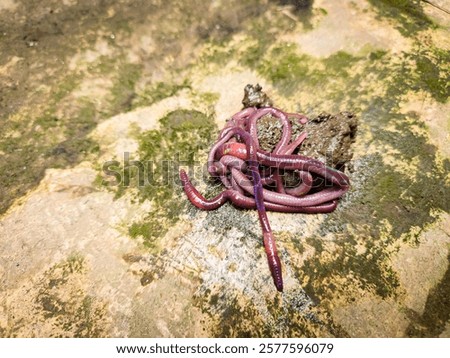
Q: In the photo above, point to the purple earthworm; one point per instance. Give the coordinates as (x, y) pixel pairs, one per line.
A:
(252, 165)
(249, 173)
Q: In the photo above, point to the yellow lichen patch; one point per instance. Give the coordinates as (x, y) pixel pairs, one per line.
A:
(364, 142)
(214, 251)
(299, 250)
(232, 267)
(393, 157)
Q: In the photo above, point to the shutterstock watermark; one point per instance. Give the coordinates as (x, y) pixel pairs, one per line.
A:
(165, 172)
(138, 172)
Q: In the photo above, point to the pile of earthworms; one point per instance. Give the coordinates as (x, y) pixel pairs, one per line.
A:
(254, 178)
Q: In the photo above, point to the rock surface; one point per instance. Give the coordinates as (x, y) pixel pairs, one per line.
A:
(94, 243)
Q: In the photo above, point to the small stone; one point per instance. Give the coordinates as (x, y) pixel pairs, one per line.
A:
(255, 97)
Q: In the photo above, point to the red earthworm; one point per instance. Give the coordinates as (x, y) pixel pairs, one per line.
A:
(237, 152)
(289, 161)
(252, 165)
(245, 202)
(304, 187)
(291, 147)
(301, 118)
(318, 198)
(286, 134)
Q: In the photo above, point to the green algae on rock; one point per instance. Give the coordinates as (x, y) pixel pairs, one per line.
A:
(60, 305)
(391, 202)
(392, 73)
(407, 15)
(183, 134)
(52, 141)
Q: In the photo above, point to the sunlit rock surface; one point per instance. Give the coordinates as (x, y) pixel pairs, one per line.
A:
(93, 244)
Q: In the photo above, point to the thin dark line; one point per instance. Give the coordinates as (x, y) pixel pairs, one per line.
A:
(437, 6)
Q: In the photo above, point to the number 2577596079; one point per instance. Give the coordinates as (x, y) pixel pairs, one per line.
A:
(295, 348)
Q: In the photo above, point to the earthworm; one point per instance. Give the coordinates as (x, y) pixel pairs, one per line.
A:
(238, 161)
